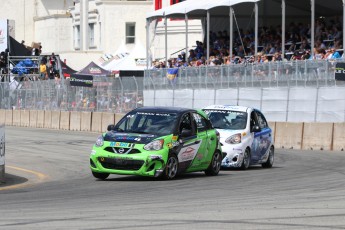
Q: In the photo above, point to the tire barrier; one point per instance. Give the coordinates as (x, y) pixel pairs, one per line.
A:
(288, 135)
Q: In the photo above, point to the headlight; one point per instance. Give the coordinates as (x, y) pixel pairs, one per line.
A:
(154, 145)
(234, 139)
(100, 141)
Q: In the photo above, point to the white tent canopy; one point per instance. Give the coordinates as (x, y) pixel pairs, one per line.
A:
(197, 8)
(129, 62)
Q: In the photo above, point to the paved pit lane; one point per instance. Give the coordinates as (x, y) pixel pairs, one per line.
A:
(52, 188)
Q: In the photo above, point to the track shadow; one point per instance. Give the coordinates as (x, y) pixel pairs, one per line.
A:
(184, 176)
(11, 180)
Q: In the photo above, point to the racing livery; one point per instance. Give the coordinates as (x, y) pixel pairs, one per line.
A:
(158, 142)
(245, 135)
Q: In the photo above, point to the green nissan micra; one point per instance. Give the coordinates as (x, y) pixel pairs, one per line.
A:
(158, 142)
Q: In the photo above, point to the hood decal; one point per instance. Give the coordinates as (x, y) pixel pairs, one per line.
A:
(129, 137)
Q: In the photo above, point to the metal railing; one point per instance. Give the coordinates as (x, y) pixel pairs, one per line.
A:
(314, 73)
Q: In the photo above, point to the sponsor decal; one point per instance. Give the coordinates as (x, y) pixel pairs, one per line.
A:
(340, 71)
(187, 154)
(199, 156)
(94, 70)
(173, 144)
(119, 144)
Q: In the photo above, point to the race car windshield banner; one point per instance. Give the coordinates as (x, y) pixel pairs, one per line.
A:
(340, 71)
(81, 80)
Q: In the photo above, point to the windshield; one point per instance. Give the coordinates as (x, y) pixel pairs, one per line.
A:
(157, 123)
(224, 119)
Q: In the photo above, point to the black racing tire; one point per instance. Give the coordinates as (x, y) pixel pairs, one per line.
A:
(270, 160)
(246, 160)
(214, 167)
(101, 176)
(171, 167)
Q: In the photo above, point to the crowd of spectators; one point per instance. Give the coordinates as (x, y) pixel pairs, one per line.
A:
(327, 45)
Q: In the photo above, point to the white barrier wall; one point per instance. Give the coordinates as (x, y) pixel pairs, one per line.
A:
(291, 135)
(294, 104)
(330, 105)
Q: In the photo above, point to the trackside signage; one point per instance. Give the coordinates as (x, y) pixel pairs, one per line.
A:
(340, 71)
(81, 80)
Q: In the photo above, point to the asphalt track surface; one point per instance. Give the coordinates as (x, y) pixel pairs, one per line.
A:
(49, 186)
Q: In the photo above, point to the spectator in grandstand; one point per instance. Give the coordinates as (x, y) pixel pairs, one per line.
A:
(332, 54)
(192, 55)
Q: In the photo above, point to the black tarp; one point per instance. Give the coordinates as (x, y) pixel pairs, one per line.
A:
(94, 70)
(17, 49)
(66, 70)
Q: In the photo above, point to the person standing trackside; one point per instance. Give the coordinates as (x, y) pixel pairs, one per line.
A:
(43, 71)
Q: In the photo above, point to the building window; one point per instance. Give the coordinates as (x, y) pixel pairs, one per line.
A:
(91, 35)
(158, 4)
(77, 36)
(172, 2)
(130, 32)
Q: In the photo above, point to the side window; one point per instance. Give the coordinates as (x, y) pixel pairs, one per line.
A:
(261, 120)
(201, 123)
(186, 123)
(253, 120)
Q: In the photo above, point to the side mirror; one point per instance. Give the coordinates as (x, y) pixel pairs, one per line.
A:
(111, 127)
(256, 129)
(186, 133)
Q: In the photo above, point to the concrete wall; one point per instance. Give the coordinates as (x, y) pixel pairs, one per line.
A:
(289, 135)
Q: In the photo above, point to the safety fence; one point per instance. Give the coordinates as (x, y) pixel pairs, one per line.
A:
(297, 91)
(107, 94)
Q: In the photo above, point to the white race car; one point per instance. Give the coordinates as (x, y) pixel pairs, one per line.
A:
(245, 136)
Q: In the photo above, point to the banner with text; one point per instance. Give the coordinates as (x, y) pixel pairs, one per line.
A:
(3, 34)
(81, 80)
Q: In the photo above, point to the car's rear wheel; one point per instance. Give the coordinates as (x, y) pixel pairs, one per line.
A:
(214, 167)
(171, 167)
(246, 160)
(101, 176)
(270, 160)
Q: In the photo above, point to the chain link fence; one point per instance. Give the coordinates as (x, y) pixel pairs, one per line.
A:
(192, 87)
(118, 95)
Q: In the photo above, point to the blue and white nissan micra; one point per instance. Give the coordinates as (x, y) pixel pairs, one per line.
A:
(245, 136)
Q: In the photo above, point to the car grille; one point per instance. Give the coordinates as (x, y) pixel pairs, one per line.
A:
(120, 164)
(125, 150)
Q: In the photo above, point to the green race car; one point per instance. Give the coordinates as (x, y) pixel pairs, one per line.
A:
(158, 142)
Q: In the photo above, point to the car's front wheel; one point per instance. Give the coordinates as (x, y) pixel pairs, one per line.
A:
(214, 167)
(171, 167)
(246, 159)
(101, 176)
(270, 160)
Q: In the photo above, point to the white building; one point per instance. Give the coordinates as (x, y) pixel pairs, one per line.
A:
(85, 30)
